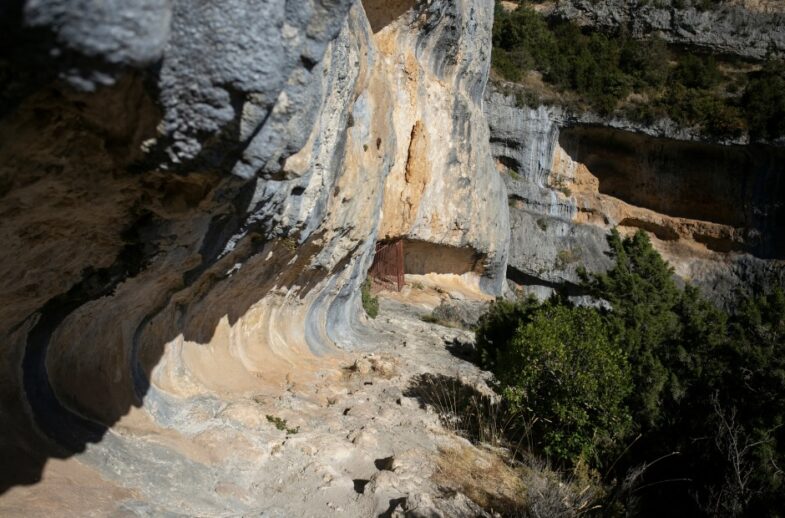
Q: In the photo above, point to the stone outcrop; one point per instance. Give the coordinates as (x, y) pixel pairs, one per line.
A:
(714, 211)
(446, 192)
(751, 29)
(190, 197)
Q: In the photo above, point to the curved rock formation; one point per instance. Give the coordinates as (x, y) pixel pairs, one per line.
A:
(143, 286)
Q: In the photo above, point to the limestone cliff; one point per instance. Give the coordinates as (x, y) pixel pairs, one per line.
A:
(749, 28)
(191, 194)
(714, 211)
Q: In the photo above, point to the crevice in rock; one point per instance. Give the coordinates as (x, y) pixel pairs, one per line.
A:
(567, 288)
(384, 464)
(719, 244)
(359, 485)
(661, 231)
(509, 163)
(397, 508)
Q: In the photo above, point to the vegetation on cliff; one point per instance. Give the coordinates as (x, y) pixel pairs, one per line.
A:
(369, 302)
(678, 404)
(645, 80)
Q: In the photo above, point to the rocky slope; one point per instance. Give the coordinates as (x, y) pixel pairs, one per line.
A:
(752, 29)
(190, 197)
(356, 442)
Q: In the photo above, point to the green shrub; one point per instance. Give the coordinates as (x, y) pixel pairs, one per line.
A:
(657, 384)
(370, 303)
(764, 102)
(282, 425)
(497, 326)
(641, 291)
(564, 372)
(708, 384)
(646, 61)
(504, 66)
(696, 72)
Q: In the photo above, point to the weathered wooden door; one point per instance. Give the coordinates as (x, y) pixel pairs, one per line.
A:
(388, 263)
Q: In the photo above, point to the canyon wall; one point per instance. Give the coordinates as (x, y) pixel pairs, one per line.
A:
(712, 205)
(714, 211)
(748, 28)
(191, 194)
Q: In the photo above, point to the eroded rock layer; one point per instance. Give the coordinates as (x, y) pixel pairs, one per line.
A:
(715, 212)
(145, 287)
(749, 28)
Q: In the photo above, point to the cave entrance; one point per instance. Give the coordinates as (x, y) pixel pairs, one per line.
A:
(693, 180)
(423, 257)
(397, 257)
(382, 13)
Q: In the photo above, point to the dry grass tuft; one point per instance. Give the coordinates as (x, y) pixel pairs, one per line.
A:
(496, 469)
(483, 477)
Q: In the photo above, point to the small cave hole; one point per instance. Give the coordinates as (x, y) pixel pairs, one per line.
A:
(359, 485)
(385, 464)
(307, 62)
(661, 231)
(509, 163)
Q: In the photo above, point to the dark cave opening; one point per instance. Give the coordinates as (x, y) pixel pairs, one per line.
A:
(382, 13)
(738, 186)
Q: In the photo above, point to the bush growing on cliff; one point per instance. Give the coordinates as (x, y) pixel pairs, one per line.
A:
(704, 385)
(646, 61)
(564, 373)
(369, 302)
(764, 102)
(660, 382)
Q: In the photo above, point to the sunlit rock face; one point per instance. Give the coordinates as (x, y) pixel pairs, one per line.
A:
(191, 194)
(714, 211)
(446, 191)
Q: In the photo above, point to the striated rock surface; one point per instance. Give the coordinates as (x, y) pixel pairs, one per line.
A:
(714, 211)
(752, 29)
(191, 194)
(446, 192)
